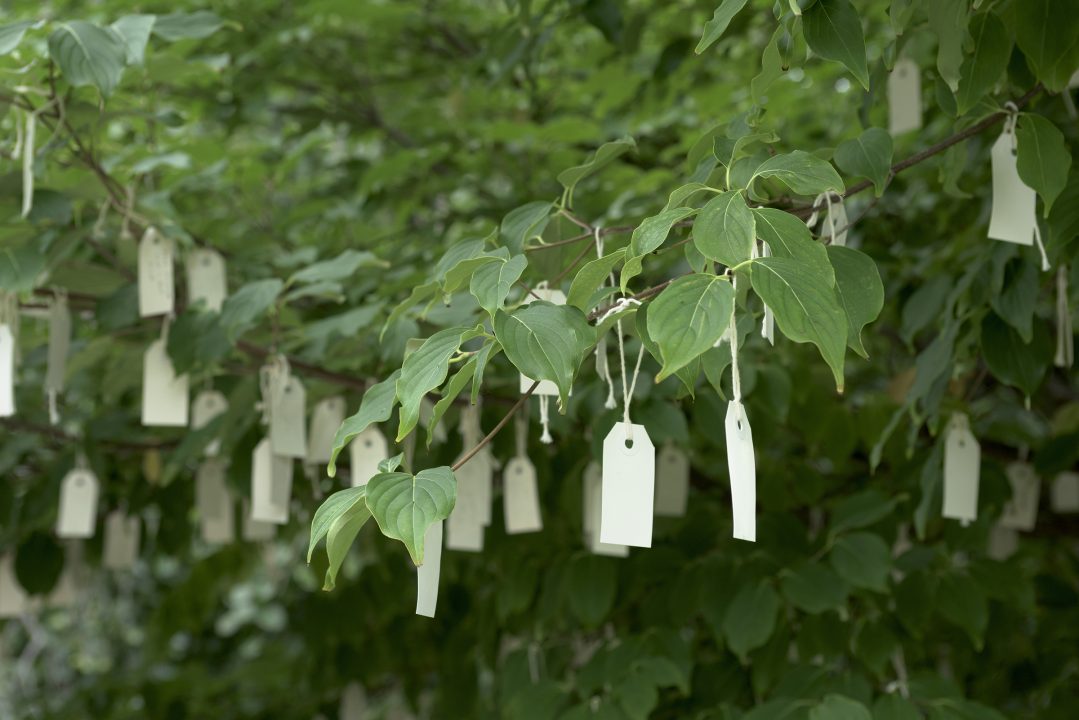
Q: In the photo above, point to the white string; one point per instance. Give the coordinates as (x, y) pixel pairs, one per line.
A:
(627, 389)
(768, 322)
(622, 304)
(1041, 248)
(736, 378)
(521, 434)
(545, 420)
(603, 368)
(28, 164)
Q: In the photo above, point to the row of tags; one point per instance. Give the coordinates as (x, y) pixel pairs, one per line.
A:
(206, 281)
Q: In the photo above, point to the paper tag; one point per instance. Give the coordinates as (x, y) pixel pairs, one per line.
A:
(1021, 512)
(121, 540)
(271, 485)
(593, 491)
(214, 503)
(1065, 494)
(672, 482)
(164, 396)
(962, 467)
(1003, 542)
(7, 372)
(206, 278)
(59, 344)
(474, 486)
(904, 97)
(464, 531)
(557, 297)
(78, 504)
(208, 404)
(156, 293)
(629, 486)
(1013, 217)
(835, 220)
(353, 703)
(288, 428)
(367, 450)
(67, 588)
(427, 574)
(13, 601)
(742, 465)
(520, 500)
(327, 416)
(256, 530)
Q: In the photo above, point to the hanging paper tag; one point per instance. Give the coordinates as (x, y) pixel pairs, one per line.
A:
(1021, 512)
(1065, 494)
(121, 540)
(208, 405)
(904, 97)
(593, 492)
(206, 278)
(59, 344)
(557, 297)
(464, 531)
(164, 395)
(13, 602)
(474, 486)
(1003, 542)
(629, 486)
(353, 703)
(742, 465)
(768, 324)
(427, 574)
(156, 293)
(672, 482)
(962, 467)
(367, 450)
(7, 371)
(256, 530)
(836, 223)
(271, 485)
(69, 584)
(520, 502)
(214, 503)
(288, 429)
(78, 504)
(1013, 217)
(328, 415)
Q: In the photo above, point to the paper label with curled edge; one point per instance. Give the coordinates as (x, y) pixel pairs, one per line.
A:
(214, 501)
(353, 703)
(366, 451)
(13, 600)
(59, 345)
(207, 405)
(156, 292)
(629, 486)
(962, 468)
(672, 481)
(271, 485)
(464, 531)
(78, 504)
(520, 497)
(164, 395)
(1013, 216)
(121, 540)
(288, 425)
(556, 297)
(427, 574)
(1021, 512)
(904, 97)
(1064, 497)
(592, 483)
(327, 416)
(742, 465)
(256, 530)
(7, 371)
(206, 281)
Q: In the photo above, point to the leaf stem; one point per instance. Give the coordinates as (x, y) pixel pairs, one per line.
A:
(496, 429)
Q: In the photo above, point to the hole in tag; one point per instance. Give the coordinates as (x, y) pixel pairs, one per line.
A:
(629, 444)
(367, 443)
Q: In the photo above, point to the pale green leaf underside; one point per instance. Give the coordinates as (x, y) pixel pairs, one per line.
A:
(688, 318)
(802, 172)
(88, 54)
(405, 505)
(724, 230)
(375, 407)
(426, 369)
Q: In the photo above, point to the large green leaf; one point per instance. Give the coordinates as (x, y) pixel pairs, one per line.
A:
(546, 342)
(1048, 35)
(12, 34)
(524, 223)
(688, 318)
(339, 519)
(649, 236)
(492, 281)
(686, 374)
(949, 19)
(869, 155)
(134, 30)
(724, 230)
(751, 617)
(404, 505)
(986, 63)
(593, 274)
(788, 237)
(801, 172)
(1012, 361)
(604, 156)
(426, 369)
(453, 388)
(183, 26)
(714, 28)
(88, 54)
(860, 291)
(962, 602)
(375, 407)
(839, 707)
(1043, 158)
(814, 588)
(592, 585)
(247, 305)
(419, 294)
(833, 30)
(862, 559)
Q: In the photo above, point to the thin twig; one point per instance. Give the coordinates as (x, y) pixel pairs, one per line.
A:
(497, 428)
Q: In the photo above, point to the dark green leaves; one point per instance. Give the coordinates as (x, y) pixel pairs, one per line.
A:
(648, 236)
(183, 26)
(833, 30)
(590, 277)
(1049, 37)
(404, 505)
(869, 155)
(948, 19)
(339, 519)
(688, 318)
(247, 305)
(524, 223)
(839, 707)
(1043, 158)
(814, 588)
(491, 282)
(88, 55)
(862, 559)
(592, 586)
(788, 237)
(11, 35)
(714, 28)
(134, 31)
(724, 229)
(800, 171)
(426, 369)
(860, 291)
(1011, 360)
(986, 63)
(604, 156)
(375, 407)
(751, 618)
(546, 342)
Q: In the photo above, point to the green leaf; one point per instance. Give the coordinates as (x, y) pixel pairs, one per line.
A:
(1048, 35)
(391, 464)
(724, 230)
(788, 237)
(963, 603)
(462, 273)
(182, 26)
(88, 55)
(688, 373)
(861, 509)
(523, 223)
(12, 34)
(341, 267)
(839, 707)
(339, 520)
(869, 155)
(491, 282)
(404, 505)
(802, 172)
(771, 67)
(592, 585)
(814, 588)
(457, 383)
(134, 30)
(751, 618)
(593, 274)
(546, 342)
(1012, 361)
(714, 28)
(1043, 158)
(331, 509)
(375, 407)
(688, 317)
(862, 559)
(949, 20)
(488, 351)
(426, 369)
(1016, 301)
(805, 305)
(860, 291)
(833, 30)
(604, 156)
(895, 707)
(419, 294)
(648, 236)
(987, 62)
(247, 305)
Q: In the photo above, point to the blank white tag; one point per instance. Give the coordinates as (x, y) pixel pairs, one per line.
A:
(271, 485)
(474, 486)
(353, 703)
(520, 500)
(206, 278)
(78, 504)
(1003, 542)
(557, 297)
(156, 293)
(121, 540)
(164, 396)
(288, 427)
(214, 503)
(1021, 512)
(427, 574)
(835, 219)
(1013, 217)
(367, 450)
(208, 404)
(593, 493)
(742, 465)
(257, 530)
(464, 531)
(1065, 493)
(59, 344)
(12, 596)
(7, 372)
(904, 97)
(672, 482)
(327, 416)
(629, 487)
(962, 467)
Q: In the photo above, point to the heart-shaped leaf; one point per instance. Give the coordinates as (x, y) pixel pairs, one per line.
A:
(405, 505)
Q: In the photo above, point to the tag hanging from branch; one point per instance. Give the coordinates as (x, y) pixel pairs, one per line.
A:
(214, 502)
(328, 415)
(1064, 496)
(121, 540)
(59, 345)
(79, 491)
(520, 494)
(366, 451)
(741, 461)
(156, 290)
(208, 404)
(7, 370)
(206, 278)
(271, 484)
(672, 481)
(427, 574)
(592, 500)
(1013, 218)
(164, 394)
(904, 97)
(962, 468)
(1021, 511)
(472, 512)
